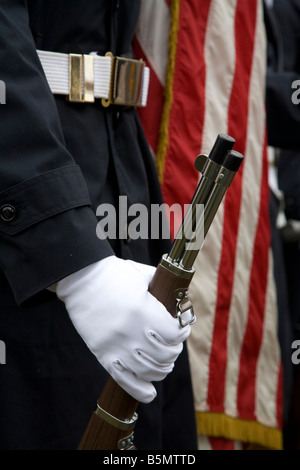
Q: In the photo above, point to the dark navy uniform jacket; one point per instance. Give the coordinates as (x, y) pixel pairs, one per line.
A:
(58, 162)
(283, 119)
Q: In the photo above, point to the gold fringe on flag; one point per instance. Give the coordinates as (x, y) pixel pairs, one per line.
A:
(250, 432)
(163, 141)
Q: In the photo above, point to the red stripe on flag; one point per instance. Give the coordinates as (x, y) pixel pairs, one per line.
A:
(245, 22)
(187, 114)
(246, 396)
(149, 115)
(220, 443)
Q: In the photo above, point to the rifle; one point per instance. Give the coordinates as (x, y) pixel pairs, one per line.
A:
(112, 424)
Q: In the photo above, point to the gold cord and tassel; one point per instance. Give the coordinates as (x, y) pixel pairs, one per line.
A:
(163, 141)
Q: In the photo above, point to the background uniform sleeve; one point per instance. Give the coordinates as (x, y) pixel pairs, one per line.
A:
(47, 227)
(283, 117)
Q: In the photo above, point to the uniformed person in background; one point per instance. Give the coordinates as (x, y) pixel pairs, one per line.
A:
(283, 117)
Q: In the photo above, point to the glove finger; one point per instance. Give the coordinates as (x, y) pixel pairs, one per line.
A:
(166, 325)
(147, 368)
(142, 390)
(170, 332)
(143, 366)
(160, 351)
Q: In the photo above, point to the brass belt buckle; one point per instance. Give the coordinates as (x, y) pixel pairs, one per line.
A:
(126, 82)
(81, 78)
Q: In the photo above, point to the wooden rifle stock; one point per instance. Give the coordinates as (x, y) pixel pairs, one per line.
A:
(99, 434)
(112, 424)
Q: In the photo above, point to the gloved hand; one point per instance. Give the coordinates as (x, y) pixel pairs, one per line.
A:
(130, 332)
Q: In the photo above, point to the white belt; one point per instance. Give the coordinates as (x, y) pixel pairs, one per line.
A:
(85, 77)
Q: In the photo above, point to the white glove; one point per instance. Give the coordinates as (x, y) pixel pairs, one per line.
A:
(132, 335)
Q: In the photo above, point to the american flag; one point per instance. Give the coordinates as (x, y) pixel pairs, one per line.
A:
(207, 61)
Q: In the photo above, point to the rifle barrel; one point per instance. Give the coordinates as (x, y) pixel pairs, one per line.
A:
(111, 425)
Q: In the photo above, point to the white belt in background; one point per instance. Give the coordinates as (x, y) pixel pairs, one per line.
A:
(86, 77)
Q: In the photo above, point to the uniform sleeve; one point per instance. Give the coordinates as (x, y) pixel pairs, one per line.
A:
(47, 226)
(283, 109)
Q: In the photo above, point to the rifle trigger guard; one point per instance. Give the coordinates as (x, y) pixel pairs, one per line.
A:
(182, 307)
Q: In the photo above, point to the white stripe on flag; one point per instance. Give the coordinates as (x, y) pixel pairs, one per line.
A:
(152, 33)
(203, 289)
(249, 214)
(269, 360)
(219, 50)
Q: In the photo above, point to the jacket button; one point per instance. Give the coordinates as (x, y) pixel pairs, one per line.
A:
(7, 213)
